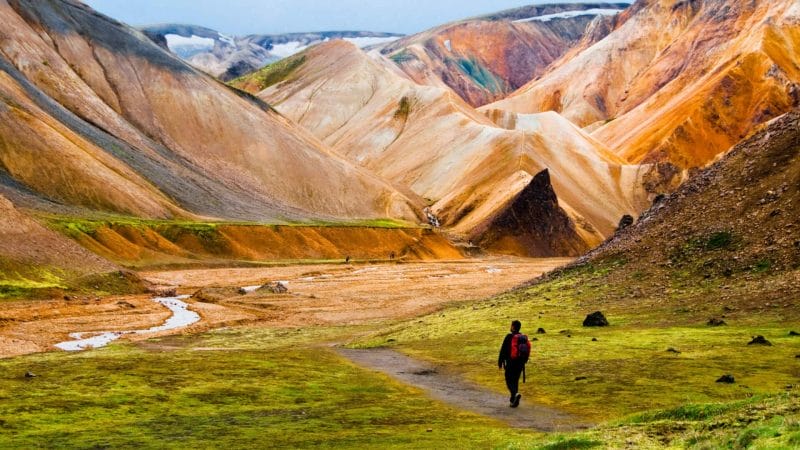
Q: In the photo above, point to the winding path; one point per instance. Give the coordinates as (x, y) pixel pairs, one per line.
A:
(460, 393)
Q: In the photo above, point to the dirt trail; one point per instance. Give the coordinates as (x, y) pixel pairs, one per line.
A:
(454, 390)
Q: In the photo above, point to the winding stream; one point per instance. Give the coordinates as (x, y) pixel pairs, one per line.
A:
(181, 317)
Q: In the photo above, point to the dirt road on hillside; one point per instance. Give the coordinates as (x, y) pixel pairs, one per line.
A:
(326, 294)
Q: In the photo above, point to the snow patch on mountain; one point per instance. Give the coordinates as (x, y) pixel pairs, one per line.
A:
(290, 48)
(362, 42)
(568, 14)
(187, 46)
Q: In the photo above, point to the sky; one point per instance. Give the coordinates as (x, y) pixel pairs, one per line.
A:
(241, 17)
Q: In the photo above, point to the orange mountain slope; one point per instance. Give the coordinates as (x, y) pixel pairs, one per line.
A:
(678, 81)
(428, 140)
(486, 58)
(33, 256)
(97, 117)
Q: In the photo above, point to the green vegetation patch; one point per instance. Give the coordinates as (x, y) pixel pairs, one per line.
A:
(272, 74)
(403, 109)
(402, 57)
(235, 389)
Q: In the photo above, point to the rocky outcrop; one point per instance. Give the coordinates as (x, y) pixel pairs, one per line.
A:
(532, 224)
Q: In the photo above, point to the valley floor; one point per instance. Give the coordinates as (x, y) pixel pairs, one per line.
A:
(279, 370)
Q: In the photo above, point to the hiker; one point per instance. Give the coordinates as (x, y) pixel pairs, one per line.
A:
(514, 353)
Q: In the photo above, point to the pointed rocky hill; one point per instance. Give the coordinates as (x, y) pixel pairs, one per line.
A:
(486, 58)
(96, 117)
(429, 141)
(678, 80)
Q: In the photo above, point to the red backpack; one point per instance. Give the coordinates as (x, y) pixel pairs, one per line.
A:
(520, 348)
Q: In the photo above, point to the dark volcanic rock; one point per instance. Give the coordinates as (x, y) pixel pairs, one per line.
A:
(673, 350)
(540, 331)
(716, 322)
(759, 340)
(595, 319)
(794, 333)
(625, 222)
(533, 224)
(728, 379)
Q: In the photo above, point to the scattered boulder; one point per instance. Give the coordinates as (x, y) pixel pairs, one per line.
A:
(716, 322)
(595, 319)
(426, 372)
(759, 340)
(594, 339)
(277, 287)
(728, 379)
(794, 333)
(673, 350)
(540, 331)
(625, 222)
(30, 375)
(242, 291)
(124, 304)
(581, 378)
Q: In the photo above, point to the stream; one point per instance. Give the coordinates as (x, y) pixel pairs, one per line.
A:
(181, 317)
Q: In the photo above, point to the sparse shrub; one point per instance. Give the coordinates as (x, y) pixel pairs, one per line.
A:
(403, 109)
(719, 240)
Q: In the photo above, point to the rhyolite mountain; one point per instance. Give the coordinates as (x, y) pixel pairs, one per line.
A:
(677, 81)
(96, 117)
(484, 59)
(469, 167)
(228, 57)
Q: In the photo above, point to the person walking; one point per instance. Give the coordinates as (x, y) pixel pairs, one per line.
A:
(514, 354)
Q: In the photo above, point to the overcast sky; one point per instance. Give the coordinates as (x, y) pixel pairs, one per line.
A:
(241, 17)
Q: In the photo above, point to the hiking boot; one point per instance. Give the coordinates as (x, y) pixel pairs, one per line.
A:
(511, 399)
(517, 398)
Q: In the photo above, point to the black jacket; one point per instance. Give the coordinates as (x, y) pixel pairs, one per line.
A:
(504, 359)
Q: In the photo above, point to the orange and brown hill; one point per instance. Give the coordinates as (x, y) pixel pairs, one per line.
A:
(727, 241)
(484, 59)
(677, 80)
(429, 141)
(96, 117)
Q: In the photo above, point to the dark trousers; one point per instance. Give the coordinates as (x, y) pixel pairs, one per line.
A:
(513, 372)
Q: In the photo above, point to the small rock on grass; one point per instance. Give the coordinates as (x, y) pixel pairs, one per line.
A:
(794, 333)
(30, 375)
(581, 378)
(716, 322)
(540, 331)
(594, 339)
(759, 340)
(673, 350)
(728, 379)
